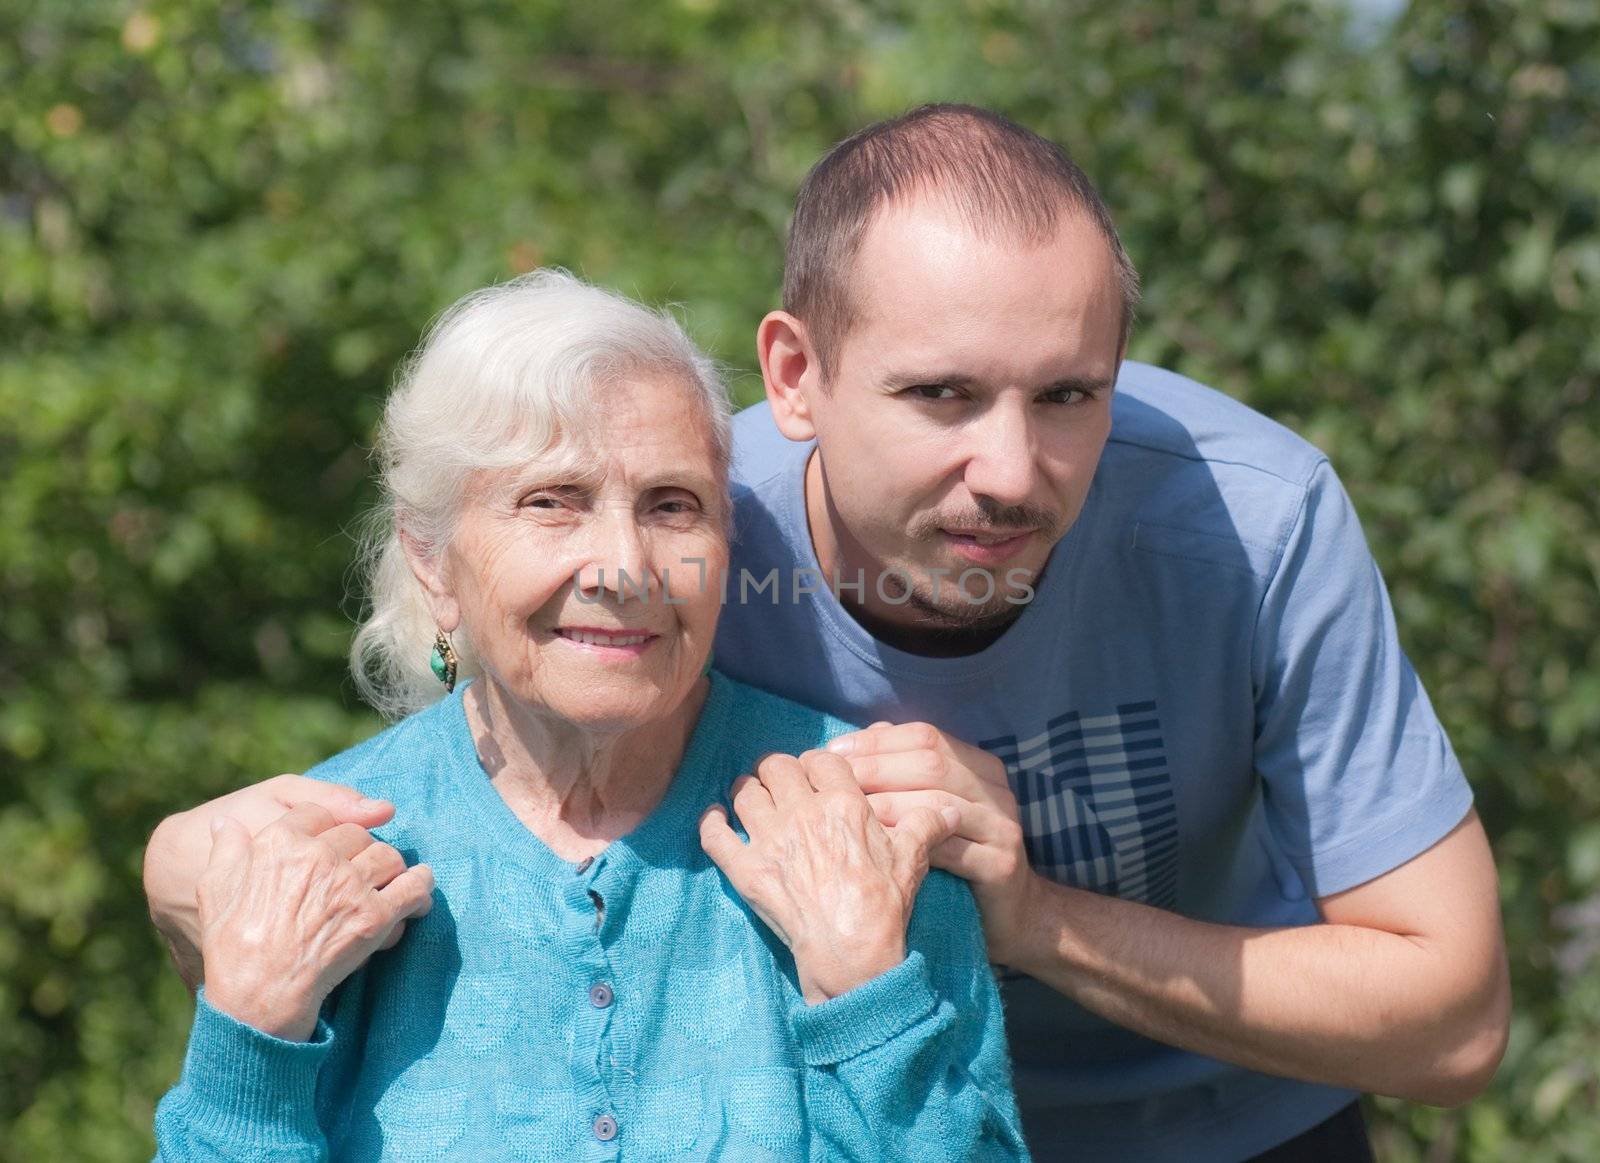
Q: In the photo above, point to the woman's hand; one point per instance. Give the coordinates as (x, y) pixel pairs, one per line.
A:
(288, 915)
(821, 871)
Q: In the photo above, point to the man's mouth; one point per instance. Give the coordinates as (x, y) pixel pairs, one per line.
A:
(988, 546)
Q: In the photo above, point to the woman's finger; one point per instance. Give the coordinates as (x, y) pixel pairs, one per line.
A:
(348, 840)
(394, 936)
(410, 894)
(752, 802)
(825, 771)
(785, 781)
(377, 864)
(923, 829)
(230, 842)
(722, 843)
(305, 819)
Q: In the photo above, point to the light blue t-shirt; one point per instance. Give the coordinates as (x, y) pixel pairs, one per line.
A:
(1205, 708)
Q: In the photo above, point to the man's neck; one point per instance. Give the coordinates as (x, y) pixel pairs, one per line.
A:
(902, 626)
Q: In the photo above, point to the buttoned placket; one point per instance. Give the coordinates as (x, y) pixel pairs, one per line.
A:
(596, 1054)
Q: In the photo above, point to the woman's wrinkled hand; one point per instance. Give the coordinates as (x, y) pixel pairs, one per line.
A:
(288, 915)
(833, 883)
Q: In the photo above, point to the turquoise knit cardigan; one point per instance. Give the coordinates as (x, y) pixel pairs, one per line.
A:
(630, 1008)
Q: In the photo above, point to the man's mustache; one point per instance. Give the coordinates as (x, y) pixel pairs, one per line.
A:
(991, 515)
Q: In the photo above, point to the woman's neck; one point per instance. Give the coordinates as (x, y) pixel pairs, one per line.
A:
(575, 789)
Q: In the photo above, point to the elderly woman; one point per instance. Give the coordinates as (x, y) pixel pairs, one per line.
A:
(594, 963)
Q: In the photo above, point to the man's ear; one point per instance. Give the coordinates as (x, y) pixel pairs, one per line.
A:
(429, 571)
(791, 371)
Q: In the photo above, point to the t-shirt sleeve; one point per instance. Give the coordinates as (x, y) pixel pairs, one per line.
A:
(1359, 776)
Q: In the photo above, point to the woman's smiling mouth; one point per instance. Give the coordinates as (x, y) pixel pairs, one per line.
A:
(617, 643)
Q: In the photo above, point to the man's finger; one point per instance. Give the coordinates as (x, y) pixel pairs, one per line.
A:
(915, 770)
(892, 807)
(881, 739)
(966, 859)
(345, 804)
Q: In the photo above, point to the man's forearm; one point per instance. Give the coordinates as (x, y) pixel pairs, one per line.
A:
(1336, 1004)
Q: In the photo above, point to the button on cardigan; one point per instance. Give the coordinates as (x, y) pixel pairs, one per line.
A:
(629, 1008)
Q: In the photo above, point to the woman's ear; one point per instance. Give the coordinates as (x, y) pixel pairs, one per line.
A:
(429, 571)
(791, 371)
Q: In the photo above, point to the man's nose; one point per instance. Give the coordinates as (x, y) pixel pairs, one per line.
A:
(1000, 463)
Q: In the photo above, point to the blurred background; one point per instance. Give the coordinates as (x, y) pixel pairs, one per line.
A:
(222, 224)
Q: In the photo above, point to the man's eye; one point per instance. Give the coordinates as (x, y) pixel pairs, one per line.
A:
(1066, 396)
(542, 501)
(932, 391)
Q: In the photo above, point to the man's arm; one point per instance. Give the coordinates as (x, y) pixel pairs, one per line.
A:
(181, 845)
(1403, 990)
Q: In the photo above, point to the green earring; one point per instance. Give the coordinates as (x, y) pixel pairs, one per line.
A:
(443, 660)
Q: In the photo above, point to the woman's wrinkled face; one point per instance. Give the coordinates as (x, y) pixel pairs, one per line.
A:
(590, 588)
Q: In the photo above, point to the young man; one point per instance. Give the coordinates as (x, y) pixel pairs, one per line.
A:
(1220, 842)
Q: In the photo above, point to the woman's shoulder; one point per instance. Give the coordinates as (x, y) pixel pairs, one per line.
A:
(771, 722)
(404, 759)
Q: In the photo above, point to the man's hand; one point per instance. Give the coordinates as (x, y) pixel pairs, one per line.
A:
(181, 846)
(909, 767)
(834, 885)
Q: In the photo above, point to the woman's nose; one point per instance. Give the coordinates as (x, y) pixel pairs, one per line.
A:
(615, 559)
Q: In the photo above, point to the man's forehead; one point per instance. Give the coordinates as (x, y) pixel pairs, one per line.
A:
(930, 289)
(920, 257)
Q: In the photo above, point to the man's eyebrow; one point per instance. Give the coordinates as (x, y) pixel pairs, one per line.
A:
(1091, 384)
(899, 381)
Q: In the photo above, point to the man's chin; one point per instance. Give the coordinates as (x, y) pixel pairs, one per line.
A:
(942, 602)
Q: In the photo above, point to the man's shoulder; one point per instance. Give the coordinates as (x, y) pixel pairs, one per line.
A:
(1166, 413)
(760, 451)
(1195, 475)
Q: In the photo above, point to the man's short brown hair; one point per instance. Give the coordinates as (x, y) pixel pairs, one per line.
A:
(1000, 177)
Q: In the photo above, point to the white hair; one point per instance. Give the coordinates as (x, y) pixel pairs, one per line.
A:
(506, 374)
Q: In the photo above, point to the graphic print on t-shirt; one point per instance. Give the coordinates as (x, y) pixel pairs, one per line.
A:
(1095, 797)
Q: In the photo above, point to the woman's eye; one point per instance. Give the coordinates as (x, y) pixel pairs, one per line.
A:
(677, 507)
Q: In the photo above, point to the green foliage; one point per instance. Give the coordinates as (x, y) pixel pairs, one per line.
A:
(221, 225)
